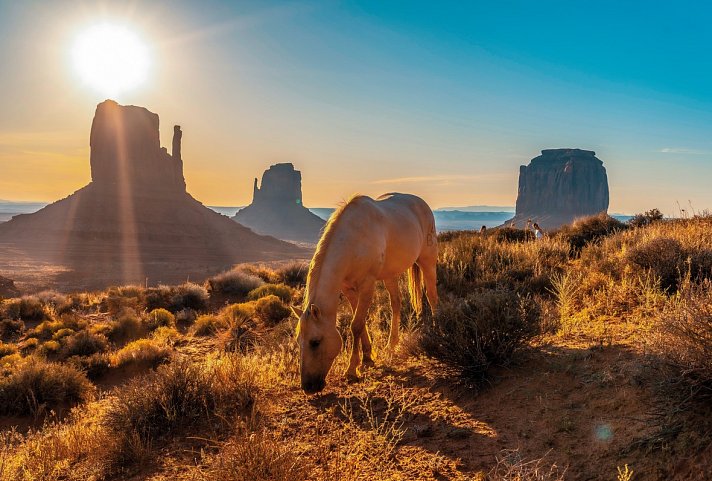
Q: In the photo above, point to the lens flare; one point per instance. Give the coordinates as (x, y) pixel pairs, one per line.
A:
(110, 58)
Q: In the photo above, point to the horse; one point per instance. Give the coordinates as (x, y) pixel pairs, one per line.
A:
(364, 241)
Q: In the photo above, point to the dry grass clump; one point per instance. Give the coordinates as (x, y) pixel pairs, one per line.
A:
(84, 343)
(663, 256)
(590, 229)
(26, 308)
(11, 328)
(175, 397)
(36, 386)
(235, 284)
(208, 324)
(7, 349)
(94, 366)
(125, 327)
(142, 352)
(271, 310)
(512, 467)
(482, 329)
(293, 275)
(683, 334)
(283, 291)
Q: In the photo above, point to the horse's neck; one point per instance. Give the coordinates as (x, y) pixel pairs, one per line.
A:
(332, 272)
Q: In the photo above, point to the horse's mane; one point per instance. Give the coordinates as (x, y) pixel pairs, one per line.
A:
(321, 247)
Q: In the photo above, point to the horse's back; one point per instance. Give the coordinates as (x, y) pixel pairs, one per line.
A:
(407, 208)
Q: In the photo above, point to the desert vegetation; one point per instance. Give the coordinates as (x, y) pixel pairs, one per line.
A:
(583, 355)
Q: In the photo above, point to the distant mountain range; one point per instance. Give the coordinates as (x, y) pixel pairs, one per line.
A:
(446, 218)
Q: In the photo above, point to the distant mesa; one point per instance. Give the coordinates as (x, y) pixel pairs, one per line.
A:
(277, 209)
(560, 185)
(135, 220)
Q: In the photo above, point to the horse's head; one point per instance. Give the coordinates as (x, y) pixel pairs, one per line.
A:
(319, 344)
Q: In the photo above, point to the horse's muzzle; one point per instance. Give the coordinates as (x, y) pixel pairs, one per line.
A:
(313, 385)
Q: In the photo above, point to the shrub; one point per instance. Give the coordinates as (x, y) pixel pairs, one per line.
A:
(158, 297)
(264, 273)
(46, 329)
(128, 326)
(37, 386)
(10, 328)
(240, 337)
(683, 334)
(293, 275)
(62, 333)
(208, 324)
(166, 335)
(234, 283)
(282, 291)
(512, 234)
(27, 308)
(142, 352)
(7, 349)
(59, 303)
(271, 311)
(175, 397)
(189, 296)
(236, 314)
(158, 318)
(482, 329)
(49, 348)
(646, 218)
(589, 229)
(663, 257)
(94, 366)
(84, 343)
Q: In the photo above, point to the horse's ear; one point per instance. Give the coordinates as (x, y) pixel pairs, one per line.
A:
(297, 312)
(314, 311)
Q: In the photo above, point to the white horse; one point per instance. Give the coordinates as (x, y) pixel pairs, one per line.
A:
(364, 241)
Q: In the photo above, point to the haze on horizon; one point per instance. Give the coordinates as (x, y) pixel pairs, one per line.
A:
(441, 100)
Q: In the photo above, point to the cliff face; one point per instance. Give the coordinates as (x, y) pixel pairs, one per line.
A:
(135, 219)
(277, 208)
(560, 185)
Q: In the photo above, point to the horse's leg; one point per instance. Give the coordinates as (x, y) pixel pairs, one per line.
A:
(365, 339)
(394, 294)
(430, 279)
(358, 324)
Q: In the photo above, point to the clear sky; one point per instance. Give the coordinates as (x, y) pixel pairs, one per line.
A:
(440, 99)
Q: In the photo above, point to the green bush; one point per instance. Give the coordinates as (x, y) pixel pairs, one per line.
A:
(208, 324)
(158, 318)
(271, 311)
(282, 291)
(142, 352)
(480, 330)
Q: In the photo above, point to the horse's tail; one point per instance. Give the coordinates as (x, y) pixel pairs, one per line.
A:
(415, 288)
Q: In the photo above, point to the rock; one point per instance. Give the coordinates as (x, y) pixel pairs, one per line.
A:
(277, 209)
(7, 288)
(135, 219)
(560, 185)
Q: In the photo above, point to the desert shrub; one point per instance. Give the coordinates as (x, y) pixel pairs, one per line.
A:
(49, 348)
(157, 297)
(186, 316)
(240, 337)
(62, 333)
(167, 335)
(589, 229)
(158, 318)
(46, 329)
(120, 298)
(282, 291)
(84, 343)
(29, 344)
(189, 296)
(26, 308)
(10, 328)
(7, 349)
(58, 303)
(208, 324)
(126, 327)
(452, 235)
(511, 466)
(175, 397)
(293, 275)
(271, 311)
(480, 330)
(512, 234)
(142, 352)
(263, 272)
(646, 218)
(235, 314)
(93, 366)
(257, 457)
(683, 334)
(663, 256)
(37, 386)
(233, 284)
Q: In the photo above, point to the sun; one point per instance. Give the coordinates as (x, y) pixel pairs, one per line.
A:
(110, 58)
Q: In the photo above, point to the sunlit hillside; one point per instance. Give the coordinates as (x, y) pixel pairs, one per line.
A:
(583, 355)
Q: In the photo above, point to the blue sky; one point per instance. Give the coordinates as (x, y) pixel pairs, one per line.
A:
(443, 99)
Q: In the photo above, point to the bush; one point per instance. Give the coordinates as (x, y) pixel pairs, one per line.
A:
(143, 352)
(264, 273)
(293, 275)
(27, 308)
(234, 283)
(589, 229)
(49, 348)
(159, 318)
(208, 324)
(128, 326)
(10, 328)
(7, 349)
(236, 314)
(646, 218)
(189, 296)
(512, 234)
(664, 257)
(59, 303)
(94, 366)
(271, 311)
(175, 397)
(85, 344)
(282, 291)
(37, 386)
(483, 329)
(683, 334)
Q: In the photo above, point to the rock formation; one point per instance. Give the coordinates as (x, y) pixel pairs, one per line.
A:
(277, 208)
(560, 185)
(135, 219)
